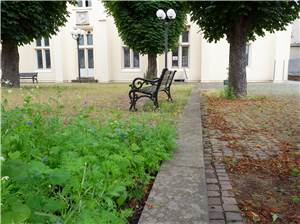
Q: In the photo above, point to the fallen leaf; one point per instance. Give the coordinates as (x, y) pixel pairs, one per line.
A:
(149, 205)
(274, 217)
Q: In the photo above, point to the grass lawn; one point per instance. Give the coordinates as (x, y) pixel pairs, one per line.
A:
(73, 153)
(261, 136)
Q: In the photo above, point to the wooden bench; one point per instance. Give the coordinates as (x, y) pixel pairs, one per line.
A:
(29, 75)
(141, 87)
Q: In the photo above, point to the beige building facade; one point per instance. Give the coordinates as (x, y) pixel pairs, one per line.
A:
(104, 57)
(294, 62)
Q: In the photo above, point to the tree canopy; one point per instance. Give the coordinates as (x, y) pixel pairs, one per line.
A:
(241, 22)
(139, 27)
(217, 18)
(24, 21)
(21, 23)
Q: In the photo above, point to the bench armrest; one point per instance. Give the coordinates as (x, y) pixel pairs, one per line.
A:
(138, 83)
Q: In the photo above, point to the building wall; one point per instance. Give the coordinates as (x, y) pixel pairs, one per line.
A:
(28, 61)
(296, 31)
(215, 59)
(268, 58)
(261, 59)
(294, 62)
(282, 54)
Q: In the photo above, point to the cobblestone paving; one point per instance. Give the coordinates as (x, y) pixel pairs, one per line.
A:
(242, 137)
(221, 201)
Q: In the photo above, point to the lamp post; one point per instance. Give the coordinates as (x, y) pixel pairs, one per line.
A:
(167, 17)
(77, 34)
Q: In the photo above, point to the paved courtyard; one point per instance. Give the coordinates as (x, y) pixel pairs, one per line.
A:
(258, 132)
(257, 129)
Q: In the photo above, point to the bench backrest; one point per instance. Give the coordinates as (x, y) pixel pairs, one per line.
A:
(28, 74)
(166, 79)
(161, 78)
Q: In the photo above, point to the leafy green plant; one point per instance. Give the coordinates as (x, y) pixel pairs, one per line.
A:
(295, 199)
(227, 93)
(294, 172)
(77, 170)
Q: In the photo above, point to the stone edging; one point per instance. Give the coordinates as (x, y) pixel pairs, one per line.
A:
(221, 201)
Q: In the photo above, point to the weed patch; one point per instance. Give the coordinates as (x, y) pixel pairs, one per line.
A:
(75, 169)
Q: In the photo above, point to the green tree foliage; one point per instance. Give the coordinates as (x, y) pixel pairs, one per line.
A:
(142, 31)
(241, 22)
(21, 23)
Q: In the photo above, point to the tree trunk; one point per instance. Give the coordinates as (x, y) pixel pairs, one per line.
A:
(10, 64)
(152, 67)
(237, 59)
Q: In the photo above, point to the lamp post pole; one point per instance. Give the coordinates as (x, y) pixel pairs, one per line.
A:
(77, 34)
(166, 44)
(167, 17)
(78, 58)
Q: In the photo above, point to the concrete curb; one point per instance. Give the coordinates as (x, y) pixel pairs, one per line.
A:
(179, 193)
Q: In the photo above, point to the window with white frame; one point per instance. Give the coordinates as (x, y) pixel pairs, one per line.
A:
(131, 59)
(86, 51)
(42, 49)
(180, 55)
(84, 3)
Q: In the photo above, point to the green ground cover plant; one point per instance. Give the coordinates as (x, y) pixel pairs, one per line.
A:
(78, 169)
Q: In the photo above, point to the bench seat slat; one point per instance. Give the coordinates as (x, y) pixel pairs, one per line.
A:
(29, 75)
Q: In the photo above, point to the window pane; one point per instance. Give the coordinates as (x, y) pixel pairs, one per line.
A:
(126, 57)
(90, 58)
(88, 3)
(175, 58)
(185, 36)
(136, 60)
(185, 56)
(79, 3)
(48, 59)
(81, 58)
(89, 38)
(38, 42)
(46, 41)
(39, 59)
(81, 40)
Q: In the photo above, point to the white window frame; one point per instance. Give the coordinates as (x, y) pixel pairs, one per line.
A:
(43, 48)
(131, 59)
(85, 47)
(180, 45)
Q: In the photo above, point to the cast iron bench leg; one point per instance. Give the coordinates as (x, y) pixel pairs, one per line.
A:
(133, 99)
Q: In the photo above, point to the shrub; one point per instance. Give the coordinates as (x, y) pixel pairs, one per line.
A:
(227, 93)
(77, 170)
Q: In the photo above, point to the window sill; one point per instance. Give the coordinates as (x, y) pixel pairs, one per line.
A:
(43, 70)
(82, 8)
(180, 69)
(131, 70)
(295, 44)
